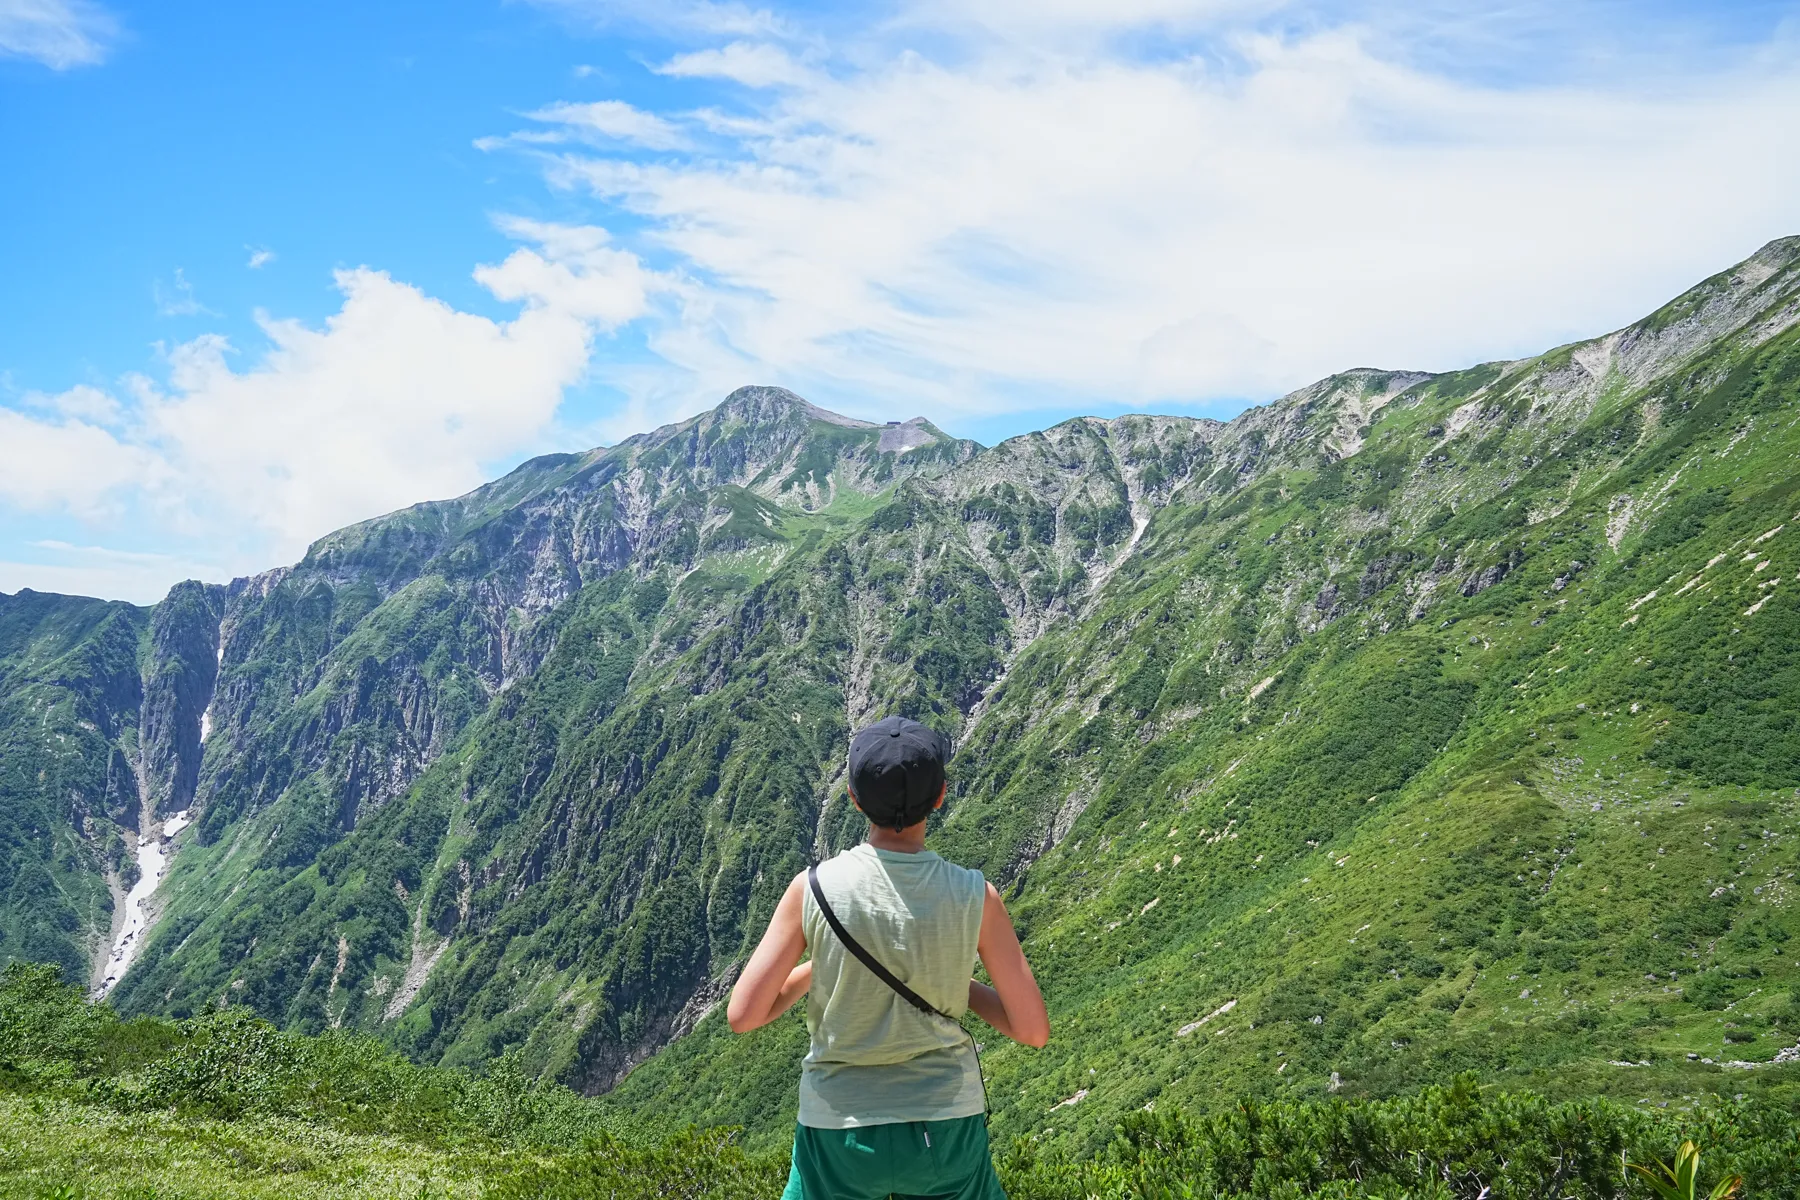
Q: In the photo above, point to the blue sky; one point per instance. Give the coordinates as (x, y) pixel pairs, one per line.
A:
(270, 269)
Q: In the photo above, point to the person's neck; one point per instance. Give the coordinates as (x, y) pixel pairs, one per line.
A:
(910, 840)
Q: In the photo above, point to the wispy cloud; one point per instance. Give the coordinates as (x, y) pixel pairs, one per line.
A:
(1042, 20)
(691, 17)
(177, 299)
(260, 257)
(614, 120)
(753, 64)
(58, 33)
(970, 208)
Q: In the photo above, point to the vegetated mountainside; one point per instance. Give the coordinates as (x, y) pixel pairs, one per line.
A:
(99, 738)
(69, 700)
(1475, 748)
(1410, 723)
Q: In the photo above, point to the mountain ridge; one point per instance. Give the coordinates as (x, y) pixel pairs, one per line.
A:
(524, 769)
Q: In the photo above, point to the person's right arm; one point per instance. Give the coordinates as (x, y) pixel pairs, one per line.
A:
(1013, 1005)
(774, 977)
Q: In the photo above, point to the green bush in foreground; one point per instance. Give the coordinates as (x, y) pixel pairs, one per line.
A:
(1451, 1141)
(230, 1065)
(225, 1105)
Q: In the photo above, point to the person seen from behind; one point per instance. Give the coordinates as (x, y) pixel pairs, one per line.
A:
(891, 1097)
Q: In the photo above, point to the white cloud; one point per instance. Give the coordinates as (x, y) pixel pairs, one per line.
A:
(1040, 20)
(706, 17)
(398, 397)
(753, 64)
(1010, 224)
(616, 120)
(260, 256)
(177, 299)
(69, 464)
(58, 33)
(580, 275)
(82, 402)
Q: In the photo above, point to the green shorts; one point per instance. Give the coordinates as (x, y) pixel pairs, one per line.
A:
(939, 1160)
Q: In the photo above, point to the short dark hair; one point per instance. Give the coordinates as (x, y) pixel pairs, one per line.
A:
(897, 771)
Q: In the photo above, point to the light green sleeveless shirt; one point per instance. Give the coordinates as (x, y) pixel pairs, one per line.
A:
(875, 1059)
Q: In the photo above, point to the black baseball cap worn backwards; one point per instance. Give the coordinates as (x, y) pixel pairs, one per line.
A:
(897, 770)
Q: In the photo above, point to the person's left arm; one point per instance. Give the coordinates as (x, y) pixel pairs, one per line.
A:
(1013, 1005)
(774, 977)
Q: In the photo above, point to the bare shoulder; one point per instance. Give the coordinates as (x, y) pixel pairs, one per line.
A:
(793, 899)
(994, 917)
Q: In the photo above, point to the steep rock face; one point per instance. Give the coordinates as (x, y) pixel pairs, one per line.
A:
(337, 696)
(180, 668)
(528, 768)
(352, 671)
(1049, 515)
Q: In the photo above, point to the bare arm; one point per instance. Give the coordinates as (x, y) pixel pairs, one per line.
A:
(774, 977)
(1014, 1006)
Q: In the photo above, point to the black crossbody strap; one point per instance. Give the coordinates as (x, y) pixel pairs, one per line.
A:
(863, 956)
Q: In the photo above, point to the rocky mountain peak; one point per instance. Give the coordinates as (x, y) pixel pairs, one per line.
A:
(756, 404)
(758, 410)
(770, 441)
(1775, 255)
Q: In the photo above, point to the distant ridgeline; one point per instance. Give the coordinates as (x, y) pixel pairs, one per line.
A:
(1409, 725)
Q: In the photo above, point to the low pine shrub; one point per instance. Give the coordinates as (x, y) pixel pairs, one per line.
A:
(1458, 1141)
(1455, 1142)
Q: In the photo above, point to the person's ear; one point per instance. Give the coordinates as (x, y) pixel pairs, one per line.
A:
(854, 802)
(943, 788)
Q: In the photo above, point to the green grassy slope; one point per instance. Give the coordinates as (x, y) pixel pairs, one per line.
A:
(1365, 774)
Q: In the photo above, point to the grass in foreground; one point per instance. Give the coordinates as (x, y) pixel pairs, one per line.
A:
(225, 1106)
